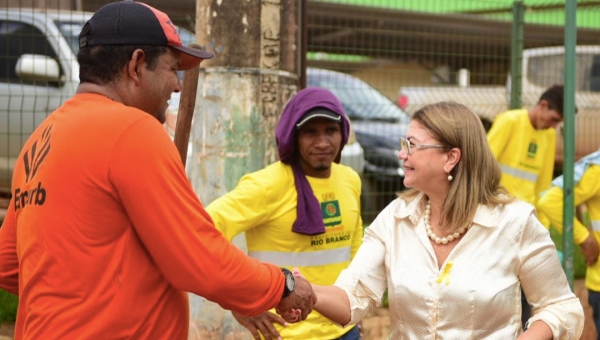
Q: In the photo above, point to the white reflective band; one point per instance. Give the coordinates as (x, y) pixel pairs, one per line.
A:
(528, 176)
(311, 258)
(596, 225)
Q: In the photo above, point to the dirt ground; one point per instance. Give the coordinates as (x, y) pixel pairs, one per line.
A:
(377, 326)
(6, 331)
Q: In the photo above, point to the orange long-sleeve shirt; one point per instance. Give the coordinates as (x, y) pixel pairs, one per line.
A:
(104, 234)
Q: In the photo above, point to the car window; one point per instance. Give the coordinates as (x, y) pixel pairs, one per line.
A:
(70, 30)
(549, 69)
(16, 39)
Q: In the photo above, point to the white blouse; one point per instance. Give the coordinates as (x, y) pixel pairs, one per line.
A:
(477, 292)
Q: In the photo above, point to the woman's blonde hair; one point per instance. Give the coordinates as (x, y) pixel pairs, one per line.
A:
(477, 174)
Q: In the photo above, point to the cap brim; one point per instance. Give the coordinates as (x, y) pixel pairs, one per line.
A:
(191, 57)
(319, 114)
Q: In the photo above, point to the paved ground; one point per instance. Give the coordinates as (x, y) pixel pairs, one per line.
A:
(377, 326)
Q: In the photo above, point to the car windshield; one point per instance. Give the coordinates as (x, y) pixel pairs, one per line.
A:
(360, 100)
(549, 69)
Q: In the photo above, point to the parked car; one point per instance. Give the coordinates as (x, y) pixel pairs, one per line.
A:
(352, 154)
(39, 71)
(378, 124)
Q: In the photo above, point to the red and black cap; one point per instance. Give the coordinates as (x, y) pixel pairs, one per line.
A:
(136, 23)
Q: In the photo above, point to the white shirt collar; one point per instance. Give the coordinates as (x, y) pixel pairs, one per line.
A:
(485, 216)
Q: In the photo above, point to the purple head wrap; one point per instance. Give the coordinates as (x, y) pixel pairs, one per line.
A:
(309, 220)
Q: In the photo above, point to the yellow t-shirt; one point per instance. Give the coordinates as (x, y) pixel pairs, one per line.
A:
(587, 192)
(526, 155)
(263, 205)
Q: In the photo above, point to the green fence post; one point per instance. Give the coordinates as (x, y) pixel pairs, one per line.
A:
(516, 54)
(569, 137)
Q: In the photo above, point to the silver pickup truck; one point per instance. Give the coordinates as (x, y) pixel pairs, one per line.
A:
(542, 67)
(38, 72)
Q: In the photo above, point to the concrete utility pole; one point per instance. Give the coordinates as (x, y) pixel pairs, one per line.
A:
(241, 93)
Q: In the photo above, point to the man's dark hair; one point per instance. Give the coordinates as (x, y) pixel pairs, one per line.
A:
(102, 64)
(554, 96)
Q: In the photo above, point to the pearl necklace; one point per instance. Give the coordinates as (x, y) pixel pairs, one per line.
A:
(432, 235)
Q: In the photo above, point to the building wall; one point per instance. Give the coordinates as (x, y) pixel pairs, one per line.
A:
(389, 77)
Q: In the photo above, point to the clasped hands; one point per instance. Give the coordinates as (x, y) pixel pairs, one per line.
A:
(299, 304)
(294, 308)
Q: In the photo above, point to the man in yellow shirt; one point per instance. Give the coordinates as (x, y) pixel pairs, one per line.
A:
(300, 212)
(586, 191)
(524, 143)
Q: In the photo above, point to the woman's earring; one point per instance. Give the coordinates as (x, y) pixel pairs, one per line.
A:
(450, 178)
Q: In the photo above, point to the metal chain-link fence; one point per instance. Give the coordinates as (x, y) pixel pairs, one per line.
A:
(39, 69)
(384, 59)
(419, 52)
(392, 57)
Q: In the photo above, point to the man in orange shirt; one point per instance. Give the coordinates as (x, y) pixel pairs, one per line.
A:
(104, 234)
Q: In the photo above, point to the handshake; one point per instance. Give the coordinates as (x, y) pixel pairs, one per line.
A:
(297, 302)
(298, 298)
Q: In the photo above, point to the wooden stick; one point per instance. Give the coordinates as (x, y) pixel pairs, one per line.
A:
(187, 104)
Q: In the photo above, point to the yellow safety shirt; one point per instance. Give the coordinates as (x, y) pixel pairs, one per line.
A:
(587, 191)
(526, 155)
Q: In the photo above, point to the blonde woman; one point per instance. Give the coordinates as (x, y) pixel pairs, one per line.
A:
(455, 250)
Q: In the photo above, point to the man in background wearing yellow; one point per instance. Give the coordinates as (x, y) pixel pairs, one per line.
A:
(524, 143)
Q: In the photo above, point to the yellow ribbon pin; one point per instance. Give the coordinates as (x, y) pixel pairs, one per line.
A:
(445, 275)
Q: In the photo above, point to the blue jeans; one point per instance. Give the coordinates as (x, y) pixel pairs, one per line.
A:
(594, 301)
(354, 334)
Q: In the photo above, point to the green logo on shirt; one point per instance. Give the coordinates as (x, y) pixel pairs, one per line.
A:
(532, 149)
(331, 213)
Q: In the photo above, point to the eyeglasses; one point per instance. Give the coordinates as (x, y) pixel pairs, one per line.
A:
(407, 144)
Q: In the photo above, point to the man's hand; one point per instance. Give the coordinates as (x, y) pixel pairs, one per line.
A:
(262, 324)
(590, 250)
(303, 298)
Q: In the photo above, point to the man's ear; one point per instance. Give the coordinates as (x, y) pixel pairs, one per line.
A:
(135, 65)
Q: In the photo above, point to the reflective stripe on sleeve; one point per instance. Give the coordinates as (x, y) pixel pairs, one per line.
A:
(596, 225)
(528, 176)
(311, 258)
